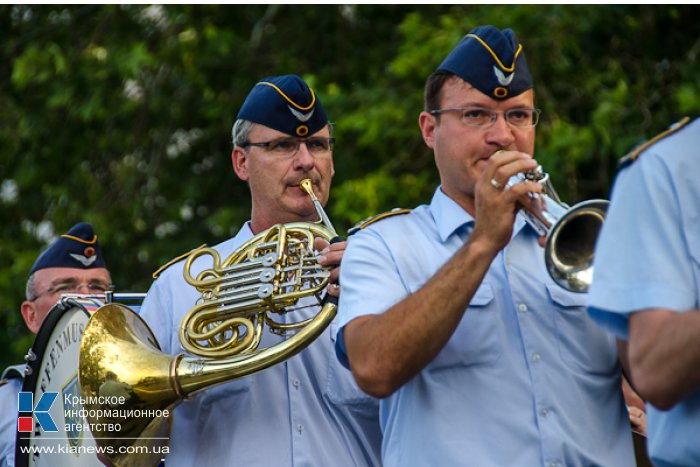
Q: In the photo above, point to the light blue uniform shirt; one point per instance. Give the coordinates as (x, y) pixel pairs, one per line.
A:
(8, 419)
(526, 379)
(648, 256)
(307, 411)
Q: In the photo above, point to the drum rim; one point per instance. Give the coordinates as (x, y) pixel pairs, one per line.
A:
(38, 348)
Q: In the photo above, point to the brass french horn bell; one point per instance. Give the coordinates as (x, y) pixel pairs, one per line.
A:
(121, 363)
(571, 232)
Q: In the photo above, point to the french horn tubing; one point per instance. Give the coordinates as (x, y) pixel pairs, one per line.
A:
(121, 361)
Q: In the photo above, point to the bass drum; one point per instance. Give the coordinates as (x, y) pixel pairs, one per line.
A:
(52, 366)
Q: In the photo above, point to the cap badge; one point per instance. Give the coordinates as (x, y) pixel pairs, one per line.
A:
(503, 80)
(84, 260)
(303, 117)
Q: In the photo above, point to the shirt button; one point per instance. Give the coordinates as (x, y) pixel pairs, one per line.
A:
(544, 413)
(296, 383)
(536, 357)
(300, 428)
(522, 308)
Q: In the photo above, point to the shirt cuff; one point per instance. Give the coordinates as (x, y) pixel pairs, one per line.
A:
(340, 351)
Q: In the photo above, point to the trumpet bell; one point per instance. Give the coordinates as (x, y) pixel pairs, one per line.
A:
(571, 233)
(570, 246)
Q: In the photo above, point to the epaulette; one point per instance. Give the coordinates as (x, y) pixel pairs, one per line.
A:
(175, 260)
(634, 154)
(372, 219)
(14, 371)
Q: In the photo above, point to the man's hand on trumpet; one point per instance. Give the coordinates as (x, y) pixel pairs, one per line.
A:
(496, 202)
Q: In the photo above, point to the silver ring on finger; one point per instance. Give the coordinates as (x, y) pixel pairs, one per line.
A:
(495, 183)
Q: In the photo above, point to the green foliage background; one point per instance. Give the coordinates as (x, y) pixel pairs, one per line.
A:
(121, 115)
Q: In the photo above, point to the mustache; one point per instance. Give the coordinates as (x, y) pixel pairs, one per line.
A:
(314, 181)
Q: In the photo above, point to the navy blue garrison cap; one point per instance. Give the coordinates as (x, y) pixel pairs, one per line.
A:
(284, 103)
(77, 248)
(492, 61)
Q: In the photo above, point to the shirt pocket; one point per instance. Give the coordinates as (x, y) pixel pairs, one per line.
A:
(583, 346)
(227, 393)
(477, 337)
(341, 388)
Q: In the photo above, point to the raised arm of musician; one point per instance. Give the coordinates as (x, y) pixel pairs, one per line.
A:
(394, 337)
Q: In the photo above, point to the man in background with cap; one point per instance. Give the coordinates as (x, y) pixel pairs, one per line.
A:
(308, 410)
(73, 263)
(448, 313)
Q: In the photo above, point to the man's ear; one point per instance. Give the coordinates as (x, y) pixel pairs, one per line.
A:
(31, 316)
(239, 159)
(428, 125)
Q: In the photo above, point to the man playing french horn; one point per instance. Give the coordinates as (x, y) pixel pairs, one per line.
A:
(308, 410)
(448, 312)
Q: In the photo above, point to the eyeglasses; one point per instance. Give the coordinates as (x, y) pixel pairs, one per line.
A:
(93, 287)
(316, 145)
(484, 118)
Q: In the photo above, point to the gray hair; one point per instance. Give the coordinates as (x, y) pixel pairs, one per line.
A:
(30, 290)
(241, 131)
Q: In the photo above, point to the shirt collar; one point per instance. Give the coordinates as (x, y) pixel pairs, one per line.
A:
(245, 232)
(229, 246)
(448, 215)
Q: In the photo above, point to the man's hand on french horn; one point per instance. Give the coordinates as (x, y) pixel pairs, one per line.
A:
(331, 254)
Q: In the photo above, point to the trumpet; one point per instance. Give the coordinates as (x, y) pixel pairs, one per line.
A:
(120, 359)
(571, 232)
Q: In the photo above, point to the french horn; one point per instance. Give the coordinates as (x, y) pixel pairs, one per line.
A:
(571, 232)
(121, 362)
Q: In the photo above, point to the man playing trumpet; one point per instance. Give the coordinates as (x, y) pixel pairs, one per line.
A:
(307, 410)
(448, 313)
